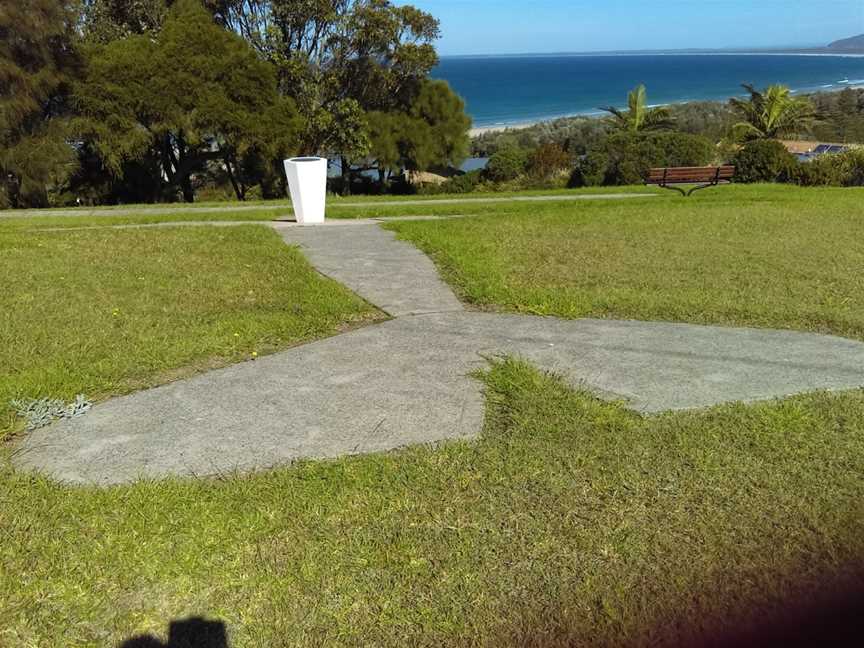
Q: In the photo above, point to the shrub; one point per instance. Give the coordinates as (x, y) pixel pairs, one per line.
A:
(763, 161)
(590, 171)
(823, 171)
(631, 156)
(855, 165)
(547, 160)
(629, 171)
(574, 134)
(625, 158)
(681, 149)
(507, 164)
(832, 170)
(459, 184)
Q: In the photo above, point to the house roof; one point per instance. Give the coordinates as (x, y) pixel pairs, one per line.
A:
(799, 147)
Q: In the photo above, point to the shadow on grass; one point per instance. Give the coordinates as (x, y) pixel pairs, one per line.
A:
(831, 614)
(186, 633)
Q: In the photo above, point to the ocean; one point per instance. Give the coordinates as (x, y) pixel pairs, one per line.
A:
(502, 90)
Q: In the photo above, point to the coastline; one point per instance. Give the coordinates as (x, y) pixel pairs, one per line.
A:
(478, 131)
(483, 130)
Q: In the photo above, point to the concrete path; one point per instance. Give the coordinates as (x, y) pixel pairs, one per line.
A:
(278, 223)
(175, 208)
(407, 380)
(393, 275)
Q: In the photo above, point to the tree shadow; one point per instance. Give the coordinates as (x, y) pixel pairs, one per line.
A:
(194, 632)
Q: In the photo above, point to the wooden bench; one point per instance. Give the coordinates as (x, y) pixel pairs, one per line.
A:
(704, 177)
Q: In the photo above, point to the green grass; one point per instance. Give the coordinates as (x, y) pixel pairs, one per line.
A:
(144, 217)
(764, 256)
(147, 217)
(337, 207)
(104, 312)
(334, 199)
(571, 522)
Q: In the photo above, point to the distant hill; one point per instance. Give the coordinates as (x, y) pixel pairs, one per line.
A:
(854, 44)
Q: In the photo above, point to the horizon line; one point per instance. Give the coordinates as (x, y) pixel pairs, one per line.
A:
(770, 49)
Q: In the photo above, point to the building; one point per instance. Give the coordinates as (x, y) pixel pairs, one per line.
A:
(806, 150)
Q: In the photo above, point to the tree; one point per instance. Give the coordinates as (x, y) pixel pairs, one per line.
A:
(194, 94)
(110, 20)
(763, 160)
(625, 158)
(770, 114)
(338, 59)
(37, 64)
(638, 117)
(576, 135)
(506, 164)
(547, 160)
(840, 116)
(390, 142)
(442, 126)
(341, 61)
(432, 132)
(713, 119)
(847, 102)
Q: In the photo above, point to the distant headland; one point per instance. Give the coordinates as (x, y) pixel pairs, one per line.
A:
(853, 44)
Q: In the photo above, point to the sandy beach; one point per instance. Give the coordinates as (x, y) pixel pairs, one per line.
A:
(482, 130)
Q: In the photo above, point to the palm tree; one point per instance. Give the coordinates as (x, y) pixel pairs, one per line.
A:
(638, 117)
(771, 114)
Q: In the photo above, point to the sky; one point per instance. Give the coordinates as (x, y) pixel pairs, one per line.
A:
(537, 26)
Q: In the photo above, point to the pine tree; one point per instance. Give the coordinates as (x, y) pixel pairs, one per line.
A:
(37, 65)
(432, 132)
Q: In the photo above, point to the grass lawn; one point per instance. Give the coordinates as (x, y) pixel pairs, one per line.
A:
(337, 208)
(337, 200)
(765, 256)
(105, 312)
(147, 217)
(571, 522)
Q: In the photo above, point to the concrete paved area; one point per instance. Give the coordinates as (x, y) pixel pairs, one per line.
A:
(407, 380)
(175, 208)
(393, 275)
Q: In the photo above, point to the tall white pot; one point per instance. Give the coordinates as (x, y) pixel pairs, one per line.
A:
(307, 181)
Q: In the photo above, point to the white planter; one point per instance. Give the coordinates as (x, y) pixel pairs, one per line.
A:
(307, 181)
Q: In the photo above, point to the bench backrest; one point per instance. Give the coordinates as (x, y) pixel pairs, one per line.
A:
(682, 175)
